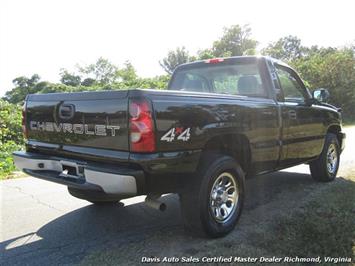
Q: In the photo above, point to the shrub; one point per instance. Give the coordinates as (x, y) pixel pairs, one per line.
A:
(11, 137)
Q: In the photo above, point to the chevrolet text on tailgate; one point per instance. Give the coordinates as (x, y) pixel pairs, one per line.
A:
(99, 130)
(219, 121)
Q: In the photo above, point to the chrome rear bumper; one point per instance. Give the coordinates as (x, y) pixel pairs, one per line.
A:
(118, 181)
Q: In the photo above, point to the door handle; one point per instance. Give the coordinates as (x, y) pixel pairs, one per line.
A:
(292, 114)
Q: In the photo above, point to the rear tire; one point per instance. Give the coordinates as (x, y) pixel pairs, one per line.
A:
(325, 168)
(212, 201)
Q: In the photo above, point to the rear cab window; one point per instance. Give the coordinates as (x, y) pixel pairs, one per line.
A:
(232, 78)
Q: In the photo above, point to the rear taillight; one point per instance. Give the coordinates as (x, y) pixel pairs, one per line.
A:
(142, 133)
(24, 127)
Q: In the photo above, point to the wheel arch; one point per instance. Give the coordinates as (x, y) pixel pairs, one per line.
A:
(336, 130)
(234, 145)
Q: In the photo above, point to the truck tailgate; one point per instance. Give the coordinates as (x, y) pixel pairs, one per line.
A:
(89, 119)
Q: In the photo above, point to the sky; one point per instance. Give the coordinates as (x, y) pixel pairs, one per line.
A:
(41, 36)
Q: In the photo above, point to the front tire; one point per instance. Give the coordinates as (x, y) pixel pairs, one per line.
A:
(212, 201)
(325, 168)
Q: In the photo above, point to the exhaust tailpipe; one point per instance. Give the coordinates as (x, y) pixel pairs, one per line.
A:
(153, 202)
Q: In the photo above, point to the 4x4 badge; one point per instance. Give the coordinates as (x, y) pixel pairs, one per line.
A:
(178, 133)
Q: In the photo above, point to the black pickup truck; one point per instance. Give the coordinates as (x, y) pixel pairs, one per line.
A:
(219, 121)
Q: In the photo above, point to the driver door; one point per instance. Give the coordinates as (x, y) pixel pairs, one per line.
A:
(302, 129)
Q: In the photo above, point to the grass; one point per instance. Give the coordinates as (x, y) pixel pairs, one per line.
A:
(15, 174)
(323, 227)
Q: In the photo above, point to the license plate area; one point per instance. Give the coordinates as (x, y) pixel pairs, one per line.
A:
(72, 170)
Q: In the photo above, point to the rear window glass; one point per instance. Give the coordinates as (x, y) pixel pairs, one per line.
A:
(237, 79)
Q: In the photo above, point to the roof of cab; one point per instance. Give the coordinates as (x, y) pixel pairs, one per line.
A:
(248, 58)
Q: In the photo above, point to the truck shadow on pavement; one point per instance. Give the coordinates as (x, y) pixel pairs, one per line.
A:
(74, 235)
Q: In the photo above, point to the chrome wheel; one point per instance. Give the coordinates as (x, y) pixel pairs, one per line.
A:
(332, 158)
(224, 197)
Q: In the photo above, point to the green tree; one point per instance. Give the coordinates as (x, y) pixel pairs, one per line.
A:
(11, 138)
(88, 82)
(205, 54)
(69, 79)
(103, 71)
(287, 48)
(18, 94)
(236, 41)
(127, 73)
(174, 58)
(23, 86)
(158, 82)
(333, 69)
(10, 122)
(25, 82)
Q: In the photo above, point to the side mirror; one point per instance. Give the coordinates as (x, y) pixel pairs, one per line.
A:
(321, 95)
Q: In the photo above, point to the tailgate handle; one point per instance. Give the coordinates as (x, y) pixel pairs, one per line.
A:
(66, 111)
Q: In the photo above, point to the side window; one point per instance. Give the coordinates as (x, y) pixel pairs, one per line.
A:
(292, 89)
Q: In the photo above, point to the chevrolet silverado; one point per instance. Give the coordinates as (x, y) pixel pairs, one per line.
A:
(219, 121)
